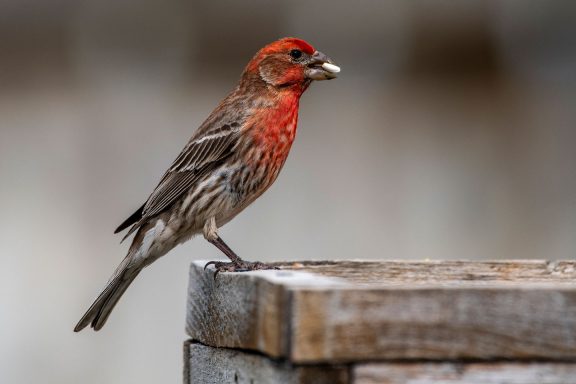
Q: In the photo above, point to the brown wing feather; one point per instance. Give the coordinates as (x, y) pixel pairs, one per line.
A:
(187, 168)
(134, 218)
(199, 156)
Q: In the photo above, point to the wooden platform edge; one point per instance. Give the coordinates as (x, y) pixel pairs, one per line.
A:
(327, 320)
(247, 310)
(437, 324)
(209, 365)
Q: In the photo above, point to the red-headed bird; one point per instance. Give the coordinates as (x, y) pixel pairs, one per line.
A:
(233, 157)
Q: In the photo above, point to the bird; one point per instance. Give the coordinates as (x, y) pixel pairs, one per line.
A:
(230, 160)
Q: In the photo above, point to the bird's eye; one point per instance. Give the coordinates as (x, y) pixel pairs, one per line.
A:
(296, 54)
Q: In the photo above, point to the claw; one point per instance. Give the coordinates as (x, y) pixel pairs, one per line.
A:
(209, 263)
(238, 266)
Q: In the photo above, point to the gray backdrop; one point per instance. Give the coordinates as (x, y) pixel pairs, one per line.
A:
(450, 134)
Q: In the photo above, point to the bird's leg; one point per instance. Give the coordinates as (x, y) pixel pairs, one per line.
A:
(236, 264)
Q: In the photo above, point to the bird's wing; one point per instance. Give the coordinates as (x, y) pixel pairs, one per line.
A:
(202, 153)
(198, 156)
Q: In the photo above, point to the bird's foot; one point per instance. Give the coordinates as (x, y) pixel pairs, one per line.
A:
(238, 266)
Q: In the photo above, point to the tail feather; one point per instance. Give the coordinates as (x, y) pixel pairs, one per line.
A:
(99, 311)
(133, 219)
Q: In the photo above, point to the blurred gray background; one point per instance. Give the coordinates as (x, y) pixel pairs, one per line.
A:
(451, 133)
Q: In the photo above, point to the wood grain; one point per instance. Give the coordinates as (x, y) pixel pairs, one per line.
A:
(464, 373)
(209, 365)
(243, 310)
(357, 311)
(442, 272)
(352, 325)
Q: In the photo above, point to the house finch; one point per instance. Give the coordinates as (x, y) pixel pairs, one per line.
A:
(233, 157)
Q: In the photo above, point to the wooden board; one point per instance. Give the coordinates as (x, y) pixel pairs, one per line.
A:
(355, 311)
(464, 373)
(209, 365)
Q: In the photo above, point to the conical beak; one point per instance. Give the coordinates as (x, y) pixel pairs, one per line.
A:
(321, 67)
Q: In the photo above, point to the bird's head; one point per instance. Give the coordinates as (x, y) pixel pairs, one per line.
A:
(290, 62)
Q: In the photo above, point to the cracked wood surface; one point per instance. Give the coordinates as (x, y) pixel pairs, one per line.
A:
(222, 366)
(351, 311)
(228, 366)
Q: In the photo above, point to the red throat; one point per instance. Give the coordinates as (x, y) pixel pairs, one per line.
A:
(275, 129)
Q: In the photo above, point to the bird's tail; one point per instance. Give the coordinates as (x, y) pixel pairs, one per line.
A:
(99, 311)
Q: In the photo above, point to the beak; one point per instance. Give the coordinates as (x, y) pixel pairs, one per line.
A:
(321, 67)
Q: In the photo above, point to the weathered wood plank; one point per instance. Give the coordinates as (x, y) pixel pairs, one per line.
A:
(449, 272)
(449, 323)
(352, 311)
(209, 365)
(463, 373)
(243, 310)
